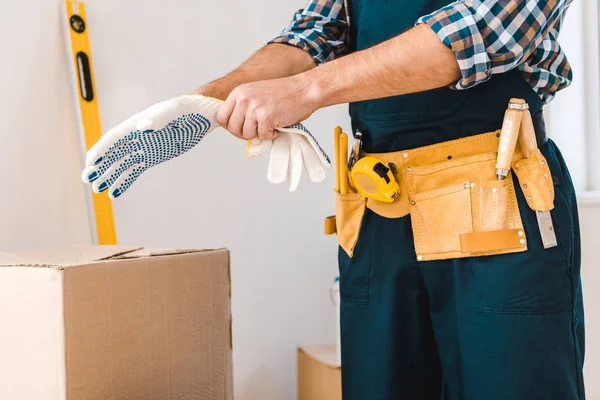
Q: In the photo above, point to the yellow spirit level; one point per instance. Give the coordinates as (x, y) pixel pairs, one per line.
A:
(86, 110)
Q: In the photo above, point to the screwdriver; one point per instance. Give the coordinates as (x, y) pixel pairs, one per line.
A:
(509, 136)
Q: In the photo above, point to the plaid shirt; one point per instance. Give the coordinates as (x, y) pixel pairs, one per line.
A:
(487, 36)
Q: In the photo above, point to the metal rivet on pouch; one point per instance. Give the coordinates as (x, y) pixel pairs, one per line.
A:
(522, 241)
(494, 190)
(419, 257)
(408, 169)
(525, 185)
(467, 185)
(545, 175)
(472, 185)
(543, 163)
(413, 202)
(529, 197)
(520, 233)
(405, 155)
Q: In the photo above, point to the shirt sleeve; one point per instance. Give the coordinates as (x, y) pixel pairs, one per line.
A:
(494, 36)
(320, 29)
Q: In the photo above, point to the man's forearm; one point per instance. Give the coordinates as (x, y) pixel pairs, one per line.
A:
(412, 62)
(270, 62)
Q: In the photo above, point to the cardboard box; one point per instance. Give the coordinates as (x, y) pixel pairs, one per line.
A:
(319, 377)
(115, 323)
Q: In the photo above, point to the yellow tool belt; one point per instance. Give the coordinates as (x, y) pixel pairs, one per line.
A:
(457, 205)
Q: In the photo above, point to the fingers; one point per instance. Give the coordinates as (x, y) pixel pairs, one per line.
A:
(279, 160)
(250, 130)
(312, 163)
(225, 112)
(125, 180)
(246, 117)
(295, 168)
(118, 151)
(113, 173)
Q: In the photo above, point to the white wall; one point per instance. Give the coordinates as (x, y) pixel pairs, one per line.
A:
(145, 52)
(573, 122)
(282, 265)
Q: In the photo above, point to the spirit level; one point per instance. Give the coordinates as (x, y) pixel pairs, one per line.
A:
(86, 110)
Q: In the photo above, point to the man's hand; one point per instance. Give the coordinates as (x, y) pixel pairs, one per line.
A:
(256, 110)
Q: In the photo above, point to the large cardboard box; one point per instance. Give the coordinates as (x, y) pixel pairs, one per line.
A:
(319, 376)
(115, 323)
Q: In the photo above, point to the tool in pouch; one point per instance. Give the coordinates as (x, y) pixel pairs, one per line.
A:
(533, 156)
(369, 176)
(460, 194)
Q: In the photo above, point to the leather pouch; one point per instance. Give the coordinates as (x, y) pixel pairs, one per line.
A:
(536, 181)
(350, 210)
(458, 208)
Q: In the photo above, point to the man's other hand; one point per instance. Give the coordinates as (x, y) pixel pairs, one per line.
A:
(256, 110)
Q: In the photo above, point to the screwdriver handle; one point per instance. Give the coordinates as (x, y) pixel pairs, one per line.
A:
(508, 138)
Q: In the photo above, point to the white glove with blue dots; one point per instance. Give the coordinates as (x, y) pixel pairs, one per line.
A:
(169, 129)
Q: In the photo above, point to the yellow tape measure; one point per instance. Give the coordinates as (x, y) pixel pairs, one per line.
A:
(375, 180)
(86, 110)
(372, 178)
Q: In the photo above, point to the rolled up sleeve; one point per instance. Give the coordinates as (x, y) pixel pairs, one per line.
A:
(320, 29)
(494, 36)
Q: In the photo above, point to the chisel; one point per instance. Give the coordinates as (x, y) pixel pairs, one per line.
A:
(528, 145)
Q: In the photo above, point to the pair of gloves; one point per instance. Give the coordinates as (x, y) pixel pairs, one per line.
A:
(169, 129)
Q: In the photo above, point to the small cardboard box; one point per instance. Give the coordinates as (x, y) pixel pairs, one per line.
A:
(319, 376)
(99, 323)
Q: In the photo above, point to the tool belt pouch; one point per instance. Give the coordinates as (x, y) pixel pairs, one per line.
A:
(536, 181)
(350, 210)
(459, 208)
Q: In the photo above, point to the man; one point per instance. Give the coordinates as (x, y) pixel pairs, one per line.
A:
(419, 330)
(418, 73)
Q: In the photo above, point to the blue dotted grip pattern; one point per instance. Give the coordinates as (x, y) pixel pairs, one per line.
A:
(133, 154)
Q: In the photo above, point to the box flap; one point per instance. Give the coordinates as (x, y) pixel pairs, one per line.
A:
(72, 255)
(161, 252)
(324, 354)
(78, 255)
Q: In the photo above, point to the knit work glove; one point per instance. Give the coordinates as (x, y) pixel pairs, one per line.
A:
(292, 151)
(171, 128)
(158, 134)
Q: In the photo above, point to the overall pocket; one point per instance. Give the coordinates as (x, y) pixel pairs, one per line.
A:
(540, 280)
(534, 282)
(355, 270)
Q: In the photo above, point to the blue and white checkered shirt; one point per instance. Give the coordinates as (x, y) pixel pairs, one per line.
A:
(488, 37)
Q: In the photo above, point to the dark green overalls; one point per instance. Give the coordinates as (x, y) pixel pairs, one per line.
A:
(506, 327)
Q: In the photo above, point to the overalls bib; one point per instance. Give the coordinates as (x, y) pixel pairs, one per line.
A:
(502, 327)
